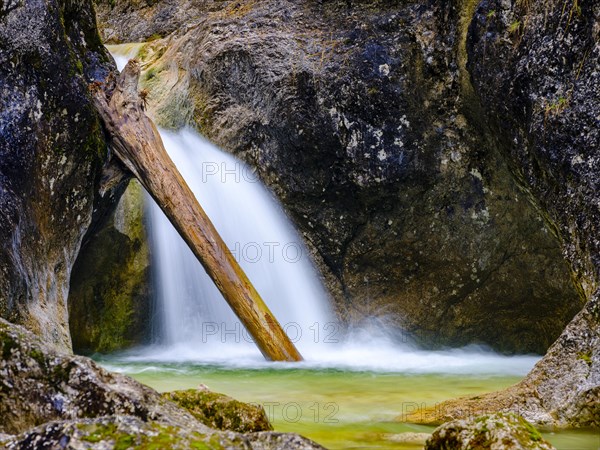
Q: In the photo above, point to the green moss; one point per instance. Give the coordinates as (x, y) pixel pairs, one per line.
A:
(534, 434)
(39, 356)
(514, 27)
(220, 411)
(157, 438)
(98, 433)
(150, 74)
(8, 344)
(585, 356)
(154, 37)
(95, 145)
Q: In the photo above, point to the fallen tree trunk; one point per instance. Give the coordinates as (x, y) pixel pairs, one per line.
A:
(137, 143)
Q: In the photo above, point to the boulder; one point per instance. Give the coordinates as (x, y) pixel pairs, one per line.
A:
(39, 385)
(131, 432)
(491, 432)
(56, 400)
(220, 411)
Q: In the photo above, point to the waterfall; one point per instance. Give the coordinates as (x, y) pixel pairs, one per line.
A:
(192, 312)
(196, 325)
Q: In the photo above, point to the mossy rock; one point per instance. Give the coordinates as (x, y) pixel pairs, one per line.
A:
(494, 431)
(110, 299)
(221, 412)
(118, 433)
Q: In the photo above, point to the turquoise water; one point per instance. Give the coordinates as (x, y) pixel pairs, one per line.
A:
(339, 409)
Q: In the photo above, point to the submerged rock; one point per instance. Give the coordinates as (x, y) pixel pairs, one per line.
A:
(492, 432)
(407, 438)
(220, 411)
(359, 120)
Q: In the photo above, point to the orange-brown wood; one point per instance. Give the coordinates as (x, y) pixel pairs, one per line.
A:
(137, 143)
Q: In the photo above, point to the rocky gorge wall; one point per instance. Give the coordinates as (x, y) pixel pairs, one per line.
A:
(536, 69)
(433, 180)
(362, 121)
(52, 154)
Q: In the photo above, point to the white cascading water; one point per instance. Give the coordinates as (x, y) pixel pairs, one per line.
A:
(194, 315)
(197, 326)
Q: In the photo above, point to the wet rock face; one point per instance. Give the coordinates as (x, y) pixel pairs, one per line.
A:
(360, 121)
(110, 297)
(535, 68)
(492, 432)
(51, 155)
(57, 386)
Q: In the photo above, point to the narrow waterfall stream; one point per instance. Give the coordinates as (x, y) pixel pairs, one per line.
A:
(352, 386)
(194, 318)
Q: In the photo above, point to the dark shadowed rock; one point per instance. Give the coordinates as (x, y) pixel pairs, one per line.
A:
(535, 68)
(110, 299)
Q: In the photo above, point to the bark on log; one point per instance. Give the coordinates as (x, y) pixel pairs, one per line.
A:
(137, 143)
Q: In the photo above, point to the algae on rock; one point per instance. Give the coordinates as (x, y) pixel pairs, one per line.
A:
(220, 411)
(110, 301)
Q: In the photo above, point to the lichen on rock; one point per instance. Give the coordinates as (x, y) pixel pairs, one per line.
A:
(58, 399)
(52, 154)
(57, 386)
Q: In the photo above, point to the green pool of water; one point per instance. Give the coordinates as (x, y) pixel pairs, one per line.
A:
(338, 409)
